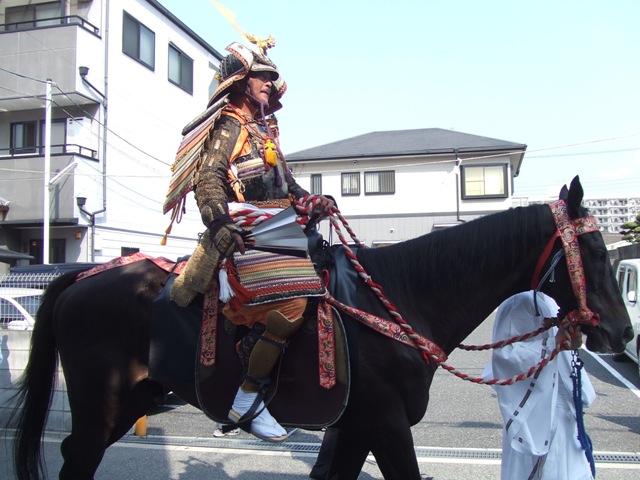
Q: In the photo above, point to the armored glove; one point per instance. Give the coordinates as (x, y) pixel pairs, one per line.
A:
(226, 237)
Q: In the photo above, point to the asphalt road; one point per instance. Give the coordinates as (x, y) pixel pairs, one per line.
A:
(459, 437)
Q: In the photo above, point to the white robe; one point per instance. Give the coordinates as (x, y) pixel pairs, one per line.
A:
(539, 437)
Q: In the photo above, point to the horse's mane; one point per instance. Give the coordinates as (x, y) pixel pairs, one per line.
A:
(495, 241)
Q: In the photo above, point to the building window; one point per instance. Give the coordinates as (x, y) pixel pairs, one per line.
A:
(57, 249)
(351, 184)
(125, 251)
(180, 69)
(28, 137)
(24, 137)
(316, 184)
(379, 183)
(484, 181)
(138, 41)
(32, 16)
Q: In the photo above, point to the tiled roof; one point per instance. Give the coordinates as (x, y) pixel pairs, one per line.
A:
(423, 141)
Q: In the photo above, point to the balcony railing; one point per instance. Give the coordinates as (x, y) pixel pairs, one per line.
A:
(50, 22)
(37, 151)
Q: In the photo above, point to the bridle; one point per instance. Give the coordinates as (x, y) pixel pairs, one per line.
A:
(568, 231)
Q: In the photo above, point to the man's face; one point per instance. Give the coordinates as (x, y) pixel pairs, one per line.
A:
(260, 85)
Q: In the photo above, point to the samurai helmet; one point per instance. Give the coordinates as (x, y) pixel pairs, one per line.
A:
(237, 65)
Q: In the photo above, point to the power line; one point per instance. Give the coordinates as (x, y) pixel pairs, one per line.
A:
(109, 130)
(21, 75)
(70, 115)
(81, 109)
(576, 154)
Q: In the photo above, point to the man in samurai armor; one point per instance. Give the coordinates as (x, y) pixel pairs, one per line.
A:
(241, 162)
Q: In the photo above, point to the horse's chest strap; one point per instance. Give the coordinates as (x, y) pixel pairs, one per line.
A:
(392, 330)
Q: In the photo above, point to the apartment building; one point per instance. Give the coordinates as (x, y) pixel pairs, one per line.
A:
(117, 81)
(612, 213)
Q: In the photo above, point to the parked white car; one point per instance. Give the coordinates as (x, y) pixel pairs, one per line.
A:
(628, 271)
(18, 307)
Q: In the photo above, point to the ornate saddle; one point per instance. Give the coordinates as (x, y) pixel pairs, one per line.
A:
(298, 395)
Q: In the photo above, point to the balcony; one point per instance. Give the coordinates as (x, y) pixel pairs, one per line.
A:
(23, 184)
(55, 149)
(51, 22)
(48, 49)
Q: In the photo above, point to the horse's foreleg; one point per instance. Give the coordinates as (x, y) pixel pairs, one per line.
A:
(392, 447)
(349, 454)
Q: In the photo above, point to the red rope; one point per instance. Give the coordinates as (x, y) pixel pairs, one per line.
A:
(428, 349)
(504, 343)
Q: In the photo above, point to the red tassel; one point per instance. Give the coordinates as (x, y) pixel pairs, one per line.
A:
(241, 294)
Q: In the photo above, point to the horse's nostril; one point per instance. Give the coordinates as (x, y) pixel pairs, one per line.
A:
(628, 334)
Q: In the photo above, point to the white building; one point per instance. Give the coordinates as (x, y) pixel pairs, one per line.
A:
(612, 213)
(126, 77)
(396, 185)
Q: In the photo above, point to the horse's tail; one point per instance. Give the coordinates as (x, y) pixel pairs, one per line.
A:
(36, 386)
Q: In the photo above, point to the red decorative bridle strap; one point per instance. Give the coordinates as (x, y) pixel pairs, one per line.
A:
(568, 231)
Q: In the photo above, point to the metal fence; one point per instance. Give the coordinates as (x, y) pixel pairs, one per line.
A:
(20, 297)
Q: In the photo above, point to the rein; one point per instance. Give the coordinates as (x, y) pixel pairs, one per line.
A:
(427, 348)
(567, 230)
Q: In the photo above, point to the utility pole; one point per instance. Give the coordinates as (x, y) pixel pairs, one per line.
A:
(47, 173)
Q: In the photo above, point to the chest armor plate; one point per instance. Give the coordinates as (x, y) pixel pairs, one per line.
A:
(260, 182)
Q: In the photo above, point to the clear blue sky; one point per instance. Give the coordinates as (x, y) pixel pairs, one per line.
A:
(561, 76)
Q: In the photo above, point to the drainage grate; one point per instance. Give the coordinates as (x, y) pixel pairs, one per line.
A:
(231, 443)
(616, 457)
(459, 453)
(299, 447)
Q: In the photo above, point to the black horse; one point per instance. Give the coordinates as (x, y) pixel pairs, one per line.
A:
(444, 284)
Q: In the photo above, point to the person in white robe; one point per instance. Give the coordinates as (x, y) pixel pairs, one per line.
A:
(539, 436)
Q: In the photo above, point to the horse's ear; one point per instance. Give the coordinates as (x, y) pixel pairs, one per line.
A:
(574, 198)
(564, 193)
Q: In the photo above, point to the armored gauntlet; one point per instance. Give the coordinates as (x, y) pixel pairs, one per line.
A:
(222, 237)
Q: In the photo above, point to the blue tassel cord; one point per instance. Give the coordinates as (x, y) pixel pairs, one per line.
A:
(583, 437)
